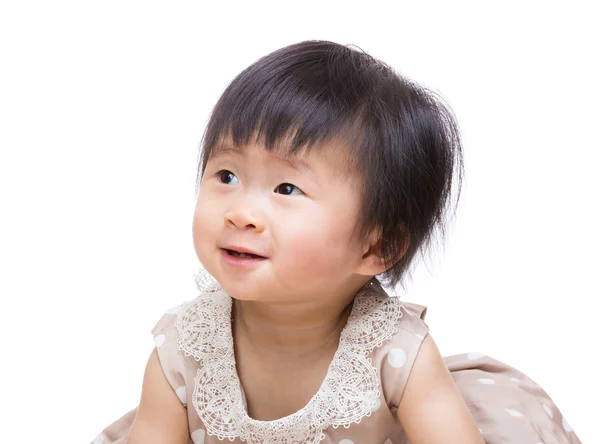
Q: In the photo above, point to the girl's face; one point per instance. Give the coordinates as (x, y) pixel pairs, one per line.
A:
(298, 214)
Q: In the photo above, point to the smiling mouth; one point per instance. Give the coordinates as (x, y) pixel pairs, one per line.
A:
(247, 255)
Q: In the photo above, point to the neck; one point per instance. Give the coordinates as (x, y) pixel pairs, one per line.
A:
(291, 329)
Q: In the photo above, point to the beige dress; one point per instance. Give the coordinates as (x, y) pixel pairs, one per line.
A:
(357, 400)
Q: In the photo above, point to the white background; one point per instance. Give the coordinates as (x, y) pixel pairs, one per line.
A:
(102, 107)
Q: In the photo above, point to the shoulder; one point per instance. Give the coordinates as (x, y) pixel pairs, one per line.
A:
(160, 416)
(395, 358)
(428, 368)
(185, 324)
(178, 334)
(166, 326)
(432, 408)
(189, 326)
(413, 319)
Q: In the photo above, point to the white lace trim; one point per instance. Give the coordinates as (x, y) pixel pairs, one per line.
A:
(349, 392)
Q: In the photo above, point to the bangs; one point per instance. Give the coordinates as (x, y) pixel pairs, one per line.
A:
(291, 100)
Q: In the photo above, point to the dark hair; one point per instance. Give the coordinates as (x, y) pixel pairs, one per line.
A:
(401, 136)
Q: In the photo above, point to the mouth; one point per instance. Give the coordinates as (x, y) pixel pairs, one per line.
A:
(235, 253)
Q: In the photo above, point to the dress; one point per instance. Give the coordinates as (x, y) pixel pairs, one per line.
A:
(357, 400)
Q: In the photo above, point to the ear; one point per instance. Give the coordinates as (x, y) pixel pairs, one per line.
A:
(371, 262)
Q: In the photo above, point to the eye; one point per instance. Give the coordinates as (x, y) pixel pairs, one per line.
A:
(227, 177)
(287, 189)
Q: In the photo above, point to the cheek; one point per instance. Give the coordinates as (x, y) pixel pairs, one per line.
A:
(321, 246)
(203, 227)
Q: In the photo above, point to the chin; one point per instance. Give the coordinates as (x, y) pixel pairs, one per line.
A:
(237, 291)
(242, 287)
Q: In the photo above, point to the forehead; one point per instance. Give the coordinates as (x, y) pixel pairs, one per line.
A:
(299, 162)
(326, 158)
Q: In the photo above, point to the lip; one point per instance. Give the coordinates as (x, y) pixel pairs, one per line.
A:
(241, 249)
(243, 263)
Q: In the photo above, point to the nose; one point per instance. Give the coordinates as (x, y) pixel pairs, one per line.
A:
(243, 219)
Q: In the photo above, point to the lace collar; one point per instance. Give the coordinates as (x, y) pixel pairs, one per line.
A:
(349, 392)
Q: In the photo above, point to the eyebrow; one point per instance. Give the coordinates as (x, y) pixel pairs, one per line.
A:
(297, 164)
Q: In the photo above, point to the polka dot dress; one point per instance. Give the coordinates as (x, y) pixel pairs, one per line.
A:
(507, 405)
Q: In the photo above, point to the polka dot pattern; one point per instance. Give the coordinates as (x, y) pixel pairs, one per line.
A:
(396, 357)
(377, 404)
(174, 310)
(475, 355)
(182, 394)
(510, 400)
(198, 436)
(159, 340)
(515, 413)
(486, 381)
